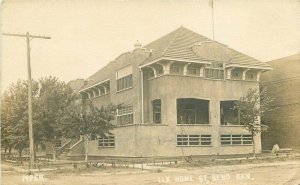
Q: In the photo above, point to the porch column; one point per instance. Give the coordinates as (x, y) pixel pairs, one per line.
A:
(228, 72)
(258, 75)
(202, 71)
(244, 74)
(185, 68)
(166, 67)
(154, 70)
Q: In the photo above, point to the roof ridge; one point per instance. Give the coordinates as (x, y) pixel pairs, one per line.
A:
(172, 40)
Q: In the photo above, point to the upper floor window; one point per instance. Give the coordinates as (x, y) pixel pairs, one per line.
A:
(215, 70)
(192, 71)
(160, 71)
(250, 76)
(156, 111)
(125, 115)
(124, 78)
(174, 69)
(235, 75)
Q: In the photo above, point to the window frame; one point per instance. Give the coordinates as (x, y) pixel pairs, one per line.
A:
(108, 141)
(222, 113)
(193, 140)
(215, 69)
(236, 140)
(125, 82)
(155, 111)
(125, 113)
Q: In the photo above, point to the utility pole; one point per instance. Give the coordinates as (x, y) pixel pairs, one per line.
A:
(29, 81)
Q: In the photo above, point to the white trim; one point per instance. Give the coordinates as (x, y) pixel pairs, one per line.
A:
(185, 68)
(228, 72)
(80, 140)
(142, 88)
(154, 70)
(175, 59)
(244, 74)
(94, 85)
(246, 66)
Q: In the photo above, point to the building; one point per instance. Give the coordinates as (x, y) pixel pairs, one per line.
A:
(283, 84)
(178, 92)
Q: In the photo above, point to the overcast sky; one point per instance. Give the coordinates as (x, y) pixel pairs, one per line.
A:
(87, 34)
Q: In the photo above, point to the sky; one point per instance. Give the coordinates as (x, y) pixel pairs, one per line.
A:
(87, 34)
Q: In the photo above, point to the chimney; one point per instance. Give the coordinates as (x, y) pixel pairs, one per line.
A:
(137, 45)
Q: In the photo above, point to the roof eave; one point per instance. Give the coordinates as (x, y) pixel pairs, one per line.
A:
(93, 85)
(250, 67)
(175, 59)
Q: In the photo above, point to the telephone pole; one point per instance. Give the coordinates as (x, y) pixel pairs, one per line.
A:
(29, 81)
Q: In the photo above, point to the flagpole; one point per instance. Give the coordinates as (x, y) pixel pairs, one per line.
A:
(212, 16)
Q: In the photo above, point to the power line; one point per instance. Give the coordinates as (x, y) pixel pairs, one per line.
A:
(29, 81)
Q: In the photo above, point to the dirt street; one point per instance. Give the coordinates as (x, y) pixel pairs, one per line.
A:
(278, 173)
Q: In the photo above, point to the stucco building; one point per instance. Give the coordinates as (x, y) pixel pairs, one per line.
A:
(283, 84)
(178, 93)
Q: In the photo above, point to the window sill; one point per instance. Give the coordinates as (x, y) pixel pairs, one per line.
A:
(105, 147)
(232, 125)
(236, 145)
(206, 125)
(123, 89)
(143, 124)
(194, 146)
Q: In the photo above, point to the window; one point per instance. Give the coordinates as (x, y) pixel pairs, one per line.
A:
(174, 69)
(160, 71)
(192, 71)
(124, 83)
(106, 141)
(150, 73)
(125, 115)
(228, 139)
(235, 75)
(229, 115)
(124, 78)
(156, 111)
(193, 140)
(192, 111)
(250, 76)
(215, 70)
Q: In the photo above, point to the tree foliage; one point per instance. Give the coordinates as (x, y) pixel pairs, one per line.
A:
(57, 112)
(50, 98)
(14, 115)
(87, 120)
(251, 108)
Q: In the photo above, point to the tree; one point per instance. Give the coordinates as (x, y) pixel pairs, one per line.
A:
(251, 108)
(87, 121)
(14, 116)
(50, 98)
(54, 97)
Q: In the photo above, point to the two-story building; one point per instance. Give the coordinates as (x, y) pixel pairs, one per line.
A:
(178, 94)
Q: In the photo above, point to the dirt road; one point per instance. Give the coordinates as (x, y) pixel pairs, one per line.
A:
(279, 173)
